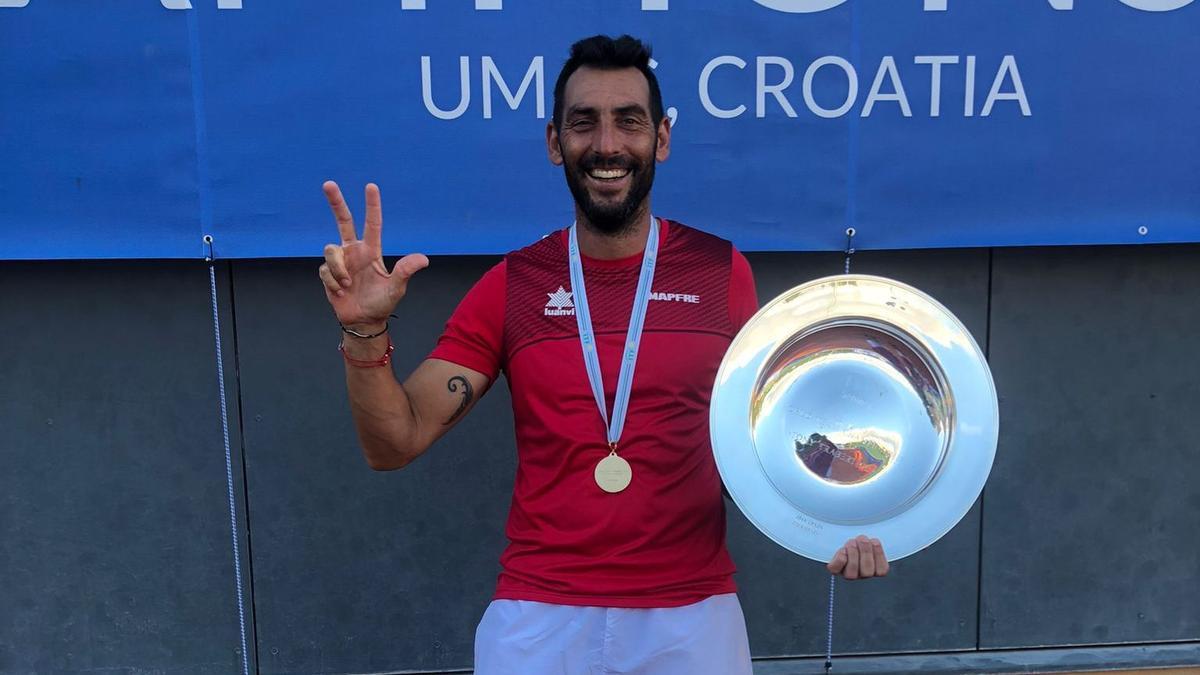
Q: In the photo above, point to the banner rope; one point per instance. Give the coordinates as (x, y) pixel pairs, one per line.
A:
(233, 529)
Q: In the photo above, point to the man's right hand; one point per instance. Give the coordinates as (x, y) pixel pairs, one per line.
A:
(357, 283)
(860, 558)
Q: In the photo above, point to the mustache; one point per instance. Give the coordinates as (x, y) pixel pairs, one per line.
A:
(616, 162)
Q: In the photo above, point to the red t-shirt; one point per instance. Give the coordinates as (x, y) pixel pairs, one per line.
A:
(660, 542)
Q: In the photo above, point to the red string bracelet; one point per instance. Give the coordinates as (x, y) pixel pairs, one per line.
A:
(369, 363)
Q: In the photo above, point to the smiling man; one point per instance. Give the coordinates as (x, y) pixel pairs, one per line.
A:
(610, 333)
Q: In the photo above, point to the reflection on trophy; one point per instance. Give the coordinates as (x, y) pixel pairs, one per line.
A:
(844, 463)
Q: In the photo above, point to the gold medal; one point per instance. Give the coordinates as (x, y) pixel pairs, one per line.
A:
(613, 473)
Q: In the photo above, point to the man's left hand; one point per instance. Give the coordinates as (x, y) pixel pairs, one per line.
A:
(860, 558)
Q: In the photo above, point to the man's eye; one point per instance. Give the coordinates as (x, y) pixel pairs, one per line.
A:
(581, 124)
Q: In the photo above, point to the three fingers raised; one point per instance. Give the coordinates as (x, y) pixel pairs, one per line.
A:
(335, 273)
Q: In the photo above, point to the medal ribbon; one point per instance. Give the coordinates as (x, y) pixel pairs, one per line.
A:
(587, 338)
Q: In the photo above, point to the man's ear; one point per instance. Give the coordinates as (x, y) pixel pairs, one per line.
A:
(664, 140)
(553, 149)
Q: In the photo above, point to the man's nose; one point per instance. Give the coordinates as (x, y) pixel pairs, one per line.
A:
(606, 141)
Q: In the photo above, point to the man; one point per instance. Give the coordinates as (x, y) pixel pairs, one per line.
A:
(617, 559)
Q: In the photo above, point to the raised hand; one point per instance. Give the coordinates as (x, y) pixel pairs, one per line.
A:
(860, 558)
(357, 283)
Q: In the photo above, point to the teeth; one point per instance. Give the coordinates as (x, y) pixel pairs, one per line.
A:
(607, 173)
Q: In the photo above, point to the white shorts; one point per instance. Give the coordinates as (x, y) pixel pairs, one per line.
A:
(520, 637)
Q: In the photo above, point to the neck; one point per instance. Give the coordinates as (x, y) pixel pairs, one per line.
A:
(629, 240)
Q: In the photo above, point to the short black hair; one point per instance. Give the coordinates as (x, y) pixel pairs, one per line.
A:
(606, 53)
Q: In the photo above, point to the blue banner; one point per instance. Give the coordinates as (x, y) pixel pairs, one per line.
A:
(133, 129)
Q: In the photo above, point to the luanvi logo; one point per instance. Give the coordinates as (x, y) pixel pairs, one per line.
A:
(560, 303)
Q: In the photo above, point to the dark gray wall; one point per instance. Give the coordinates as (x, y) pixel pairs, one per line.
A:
(1092, 521)
(117, 550)
(116, 553)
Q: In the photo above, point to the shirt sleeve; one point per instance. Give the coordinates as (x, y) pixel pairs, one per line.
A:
(743, 297)
(474, 335)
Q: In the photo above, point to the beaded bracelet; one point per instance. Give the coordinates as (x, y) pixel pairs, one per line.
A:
(369, 363)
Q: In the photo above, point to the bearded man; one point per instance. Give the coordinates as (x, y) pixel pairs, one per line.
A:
(610, 333)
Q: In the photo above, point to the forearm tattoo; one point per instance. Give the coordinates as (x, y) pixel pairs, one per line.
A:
(455, 384)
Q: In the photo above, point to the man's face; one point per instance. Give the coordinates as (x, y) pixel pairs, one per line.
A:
(608, 144)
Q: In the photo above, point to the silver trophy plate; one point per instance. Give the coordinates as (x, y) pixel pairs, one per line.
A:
(854, 405)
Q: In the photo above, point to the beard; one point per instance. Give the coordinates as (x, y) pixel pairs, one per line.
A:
(611, 218)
